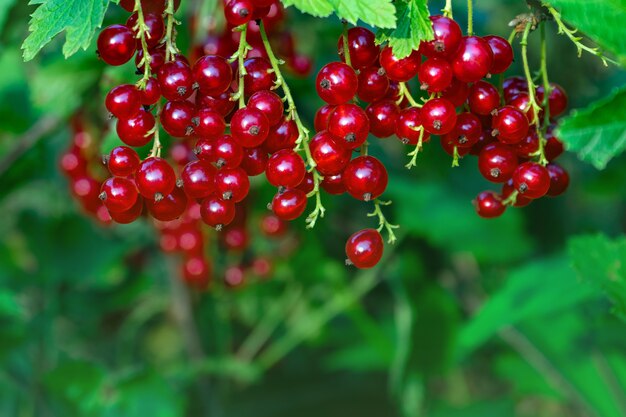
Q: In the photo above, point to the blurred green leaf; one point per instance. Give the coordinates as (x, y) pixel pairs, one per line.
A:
(318, 8)
(5, 8)
(77, 383)
(525, 379)
(378, 14)
(600, 261)
(496, 408)
(413, 27)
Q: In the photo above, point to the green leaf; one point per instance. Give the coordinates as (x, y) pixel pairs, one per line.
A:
(413, 27)
(601, 20)
(79, 18)
(380, 13)
(600, 261)
(317, 8)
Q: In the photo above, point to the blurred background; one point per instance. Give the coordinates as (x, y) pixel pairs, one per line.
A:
(463, 317)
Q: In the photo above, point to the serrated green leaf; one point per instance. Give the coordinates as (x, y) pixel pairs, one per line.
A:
(380, 13)
(318, 8)
(79, 18)
(413, 27)
(598, 132)
(600, 261)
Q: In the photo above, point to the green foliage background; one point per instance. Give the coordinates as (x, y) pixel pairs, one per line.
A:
(521, 316)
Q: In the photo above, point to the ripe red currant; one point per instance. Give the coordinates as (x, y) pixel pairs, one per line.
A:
(361, 47)
(168, 208)
(176, 80)
(373, 84)
(151, 94)
(221, 104)
(508, 188)
(254, 161)
(333, 184)
(122, 161)
(209, 123)
(447, 38)
(559, 179)
(213, 75)
(136, 131)
(130, 215)
(155, 178)
(155, 27)
(217, 212)
(118, 194)
(177, 118)
(232, 183)
(269, 103)
(502, 54)
(408, 127)
(249, 127)
(281, 136)
(438, 116)
(116, 44)
(290, 204)
(557, 100)
(510, 125)
(489, 205)
(321, 117)
(350, 124)
(531, 180)
(238, 12)
(336, 83)
(435, 75)
(331, 158)
(473, 59)
(497, 162)
(123, 101)
(456, 93)
(466, 131)
(383, 116)
(198, 178)
(285, 169)
(259, 75)
(400, 69)
(483, 98)
(364, 248)
(365, 178)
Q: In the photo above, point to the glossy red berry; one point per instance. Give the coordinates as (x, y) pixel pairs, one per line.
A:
(177, 118)
(497, 162)
(400, 69)
(383, 116)
(249, 127)
(336, 83)
(553, 147)
(510, 125)
(502, 54)
(321, 117)
(483, 98)
(409, 127)
(527, 147)
(208, 123)
(350, 124)
(155, 27)
(221, 104)
(281, 136)
(213, 75)
(224, 151)
(232, 184)
(522, 102)
(333, 184)
(435, 75)
(116, 44)
(285, 169)
(308, 183)
(118, 194)
(373, 84)
(198, 178)
(456, 93)
(508, 188)
(531, 180)
(489, 205)
(156, 56)
(365, 178)
(151, 94)
(473, 60)
(217, 212)
(331, 157)
(254, 161)
(447, 38)
(364, 248)
(466, 131)
(122, 161)
(361, 46)
(559, 179)
(123, 101)
(130, 215)
(238, 12)
(136, 131)
(269, 103)
(290, 204)
(155, 178)
(259, 75)
(557, 100)
(175, 80)
(168, 208)
(438, 116)
(513, 86)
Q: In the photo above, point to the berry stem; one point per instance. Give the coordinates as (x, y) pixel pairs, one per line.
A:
(382, 220)
(447, 10)
(418, 148)
(142, 32)
(470, 18)
(541, 131)
(302, 143)
(532, 95)
(156, 144)
(171, 50)
(346, 48)
(240, 56)
(511, 199)
(455, 157)
(405, 93)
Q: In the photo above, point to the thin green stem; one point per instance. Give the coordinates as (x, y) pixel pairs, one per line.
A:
(405, 93)
(447, 10)
(240, 56)
(532, 95)
(455, 157)
(156, 144)
(346, 48)
(470, 17)
(142, 33)
(382, 220)
(511, 199)
(541, 130)
(171, 50)
(418, 148)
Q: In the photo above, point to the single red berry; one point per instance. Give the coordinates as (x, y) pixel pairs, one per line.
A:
(557, 100)
(350, 124)
(383, 116)
(365, 178)
(190, 240)
(182, 153)
(224, 151)
(438, 116)
(217, 212)
(285, 169)
(333, 184)
(254, 161)
(447, 38)
(435, 75)
(473, 59)
(175, 80)
(400, 69)
(466, 131)
(259, 75)
(502, 54)
(531, 180)
(393, 92)
(308, 183)
(155, 27)
(123, 101)
(122, 161)
(497, 162)
(118, 194)
(483, 98)
(364, 248)
(234, 276)
(221, 104)
(553, 147)
(510, 125)
(508, 188)
(116, 44)
(238, 12)
(336, 83)
(513, 86)
(262, 267)
(136, 131)
(290, 204)
(489, 205)
(232, 183)
(235, 238)
(301, 65)
(197, 272)
(249, 127)
(177, 118)
(151, 93)
(198, 178)
(269, 103)
(213, 75)
(457, 93)
(273, 226)
(155, 178)
(559, 179)
(361, 47)
(168, 208)
(281, 136)
(373, 84)
(321, 117)
(522, 102)
(74, 164)
(210, 124)
(409, 127)
(331, 157)
(527, 147)
(130, 215)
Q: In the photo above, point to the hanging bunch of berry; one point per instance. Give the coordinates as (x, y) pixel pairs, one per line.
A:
(195, 128)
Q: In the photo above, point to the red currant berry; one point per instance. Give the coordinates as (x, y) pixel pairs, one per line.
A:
(473, 59)
(234, 276)
(466, 131)
(331, 158)
(447, 38)
(483, 98)
(333, 184)
(350, 124)
(198, 178)
(122, 161)
(210, 124)
(74, 164)
(438, 116)
(254, 161)
(308, 183)
(269, 104)
(365, 178)
(285, 169)
(531, 180)
(373, 84)
(123, 101)
(435, 75)
(559, 179)
(554, 147)
(336, 83)
(155, 178)
(361, 47)
(557, 100)
(235, 238)
(282, 136)
(154, 23)
(232, 183)
(177, 118)
(383, 116)
(489, 205)
(510, 125)
(116, 45)
(497, 162)
(221, 104)
(130, 215)
(182, 153)
(118, 194)
(238, 12)
(197, 272)
(157, 59)
(259, 75)
(213, 75)
(502, 54)
(527, 146)
(301, 65)
(513, 86)
(217, 212)
(290, 204)
(409, 127)
(364, 248)
(168, 208)
(450, 147)
(322, 116)
(522, 102)
(400, 69)
(457, 93)
(136, 131)
(508, 189)
(249, 127)
(176, 80)
(273, 226)
(151, 93)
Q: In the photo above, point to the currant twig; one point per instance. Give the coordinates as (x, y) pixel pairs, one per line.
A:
(142, 32)
(541, 131)
(470, 18)
(240, 56)
(532, 95)
(382, 220)
(171, 50)
(302, 143)
(346, 48)
(156, 144)
(511, 199)
(447, 10)
(418, 148)
(405, 93)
